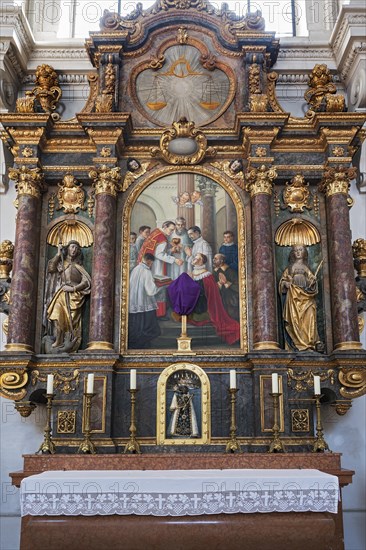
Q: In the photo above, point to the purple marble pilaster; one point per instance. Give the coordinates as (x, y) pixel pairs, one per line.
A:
(102, 292)
(22, 317)
(342, 277)
(264, 284)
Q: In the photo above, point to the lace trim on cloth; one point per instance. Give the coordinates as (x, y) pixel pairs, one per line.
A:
(180, 504)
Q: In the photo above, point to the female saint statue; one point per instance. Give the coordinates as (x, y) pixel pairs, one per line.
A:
(298, 286)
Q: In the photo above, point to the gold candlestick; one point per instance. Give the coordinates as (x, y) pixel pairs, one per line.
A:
(87, 446)
(133, 446)
(276, 445)
(233, 444)
(48, 445)
(320, 444)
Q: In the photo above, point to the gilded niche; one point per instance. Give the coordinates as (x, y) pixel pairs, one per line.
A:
(185, 83)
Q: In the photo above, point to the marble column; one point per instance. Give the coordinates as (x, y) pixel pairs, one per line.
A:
(208, 190)
(186, 183)
(342, 278)
(107, 182)
(260, 184)
(22, 316)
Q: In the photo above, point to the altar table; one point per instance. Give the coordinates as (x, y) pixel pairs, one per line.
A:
(183, 509)
(178, 493)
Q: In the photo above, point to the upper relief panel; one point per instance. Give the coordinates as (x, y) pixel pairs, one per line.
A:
(183, 81)
(181, 59)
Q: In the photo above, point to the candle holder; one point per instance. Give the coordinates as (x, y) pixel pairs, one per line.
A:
(233, 444)
(87, 446)
(133, 446)
(184, 341)
(48, 445)
(320, 444)
(276, 445)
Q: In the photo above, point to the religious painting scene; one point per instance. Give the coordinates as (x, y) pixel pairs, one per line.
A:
(183, 253)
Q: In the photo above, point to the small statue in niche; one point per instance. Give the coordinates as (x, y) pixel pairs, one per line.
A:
(184, 395)
(184, 421)
(298, 287)
(68, 283)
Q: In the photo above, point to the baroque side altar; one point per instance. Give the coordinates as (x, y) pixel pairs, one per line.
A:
(182, 239)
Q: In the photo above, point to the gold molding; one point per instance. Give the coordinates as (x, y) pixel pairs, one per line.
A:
(266, 346)
(19, 347)
(161, 406)
(345, 346)
(104, 346)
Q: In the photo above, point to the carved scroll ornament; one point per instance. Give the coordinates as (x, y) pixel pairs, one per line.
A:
(183, 144)
(353, 382)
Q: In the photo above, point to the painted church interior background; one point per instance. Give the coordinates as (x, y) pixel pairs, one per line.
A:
(182, 203)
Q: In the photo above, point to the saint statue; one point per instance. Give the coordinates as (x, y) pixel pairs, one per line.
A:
(183, 422)
(68, 283)
(298, 287)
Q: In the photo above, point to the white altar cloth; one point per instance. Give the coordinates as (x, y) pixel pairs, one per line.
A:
(178, 492)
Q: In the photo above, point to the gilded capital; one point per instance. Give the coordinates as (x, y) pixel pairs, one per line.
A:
(337, 180)
(260, 180)
(28, 181)
(107, 180)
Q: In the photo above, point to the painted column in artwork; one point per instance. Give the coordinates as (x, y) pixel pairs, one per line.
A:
(208, 190)
(260, 186)
(335, 185)
(186, 185)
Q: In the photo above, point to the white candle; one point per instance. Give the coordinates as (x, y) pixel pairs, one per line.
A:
(49, 384)
(90, 384)
(275, 382)
(132, 379)
(317, 390)
(233, 379)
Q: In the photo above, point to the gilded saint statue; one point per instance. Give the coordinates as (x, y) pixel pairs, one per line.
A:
(298, 287)
(68, 284)
(183, 422)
